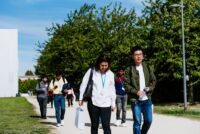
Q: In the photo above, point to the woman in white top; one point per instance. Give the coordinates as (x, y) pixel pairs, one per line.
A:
(103, 94)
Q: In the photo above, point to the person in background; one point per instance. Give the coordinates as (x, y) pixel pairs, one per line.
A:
(42, 95)
(121, 100)
(70, 94)
(56, 86)
(50, 97)
(103, 94)
(139, 83)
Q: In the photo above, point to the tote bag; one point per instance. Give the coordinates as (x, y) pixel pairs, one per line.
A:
(79, 119)
(88, 91)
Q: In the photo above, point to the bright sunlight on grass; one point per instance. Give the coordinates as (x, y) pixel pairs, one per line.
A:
(17, 116)
(192, 112)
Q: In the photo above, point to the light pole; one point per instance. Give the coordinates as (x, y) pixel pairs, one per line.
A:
(183, 51)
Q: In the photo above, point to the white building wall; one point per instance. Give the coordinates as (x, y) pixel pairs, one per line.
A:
(9, 62)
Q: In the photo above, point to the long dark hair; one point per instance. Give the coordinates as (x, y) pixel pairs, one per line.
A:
(100, 59)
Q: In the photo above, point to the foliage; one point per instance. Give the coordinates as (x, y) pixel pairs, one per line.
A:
(29, 73)
(88, 32)
(25, 86)
(164, 41)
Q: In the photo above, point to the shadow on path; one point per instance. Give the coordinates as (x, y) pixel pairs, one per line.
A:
(51, 116)
(129, 119)
(35, 116)
(49, 123)
(89, 124)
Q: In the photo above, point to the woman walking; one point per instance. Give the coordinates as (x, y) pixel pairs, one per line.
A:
(103, 94)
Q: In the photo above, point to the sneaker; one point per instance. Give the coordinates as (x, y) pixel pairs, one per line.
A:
(58, 125)
(62, 123)
(44, 117)
(123, 125)
(100, 126)
(117, 123)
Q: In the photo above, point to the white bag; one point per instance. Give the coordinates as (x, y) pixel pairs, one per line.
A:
(79, 119)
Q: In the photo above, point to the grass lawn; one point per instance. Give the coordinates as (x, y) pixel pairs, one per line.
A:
(177, 109)
(17, 116)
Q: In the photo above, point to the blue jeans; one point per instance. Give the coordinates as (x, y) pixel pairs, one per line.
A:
(59, 104)
(142, 108)
(121, 102)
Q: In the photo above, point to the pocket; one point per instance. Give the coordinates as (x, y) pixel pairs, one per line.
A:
(149, 102)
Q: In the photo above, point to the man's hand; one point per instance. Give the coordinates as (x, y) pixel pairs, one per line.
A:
(65, 91)
(140, 93)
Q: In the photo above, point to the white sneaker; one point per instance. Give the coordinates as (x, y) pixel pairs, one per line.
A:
(62, 123)
(117, 123)
(123, 125)
(58, 125)
(100, 126)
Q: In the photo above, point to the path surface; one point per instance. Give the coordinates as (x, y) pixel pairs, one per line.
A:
(161, 124)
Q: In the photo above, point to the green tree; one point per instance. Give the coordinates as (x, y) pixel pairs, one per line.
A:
(88, 32)
(25, 86)
(29, 73)
(164, 42)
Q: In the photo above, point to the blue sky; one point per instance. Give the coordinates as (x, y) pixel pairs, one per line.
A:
(32, 17)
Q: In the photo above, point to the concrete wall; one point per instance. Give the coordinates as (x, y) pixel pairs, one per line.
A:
(9, 62)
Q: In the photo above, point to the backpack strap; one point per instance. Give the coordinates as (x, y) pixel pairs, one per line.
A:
(55, 80)
(91, 74)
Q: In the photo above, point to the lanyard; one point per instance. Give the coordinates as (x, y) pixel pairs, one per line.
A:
(103, 80)
(121, 81)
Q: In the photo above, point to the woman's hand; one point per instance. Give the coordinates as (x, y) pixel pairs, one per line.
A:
(80, 103)
(113, 109)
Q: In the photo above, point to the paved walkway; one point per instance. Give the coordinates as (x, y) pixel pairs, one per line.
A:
(161, 124)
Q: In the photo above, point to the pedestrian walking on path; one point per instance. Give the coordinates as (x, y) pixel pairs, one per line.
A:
(42, 96)
(103, 94)
(139, 83)
(162, 124)
(121, 100)
(56, 86)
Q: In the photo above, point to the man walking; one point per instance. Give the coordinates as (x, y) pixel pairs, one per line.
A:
(121, 100)
(139, 83)
(56, 86)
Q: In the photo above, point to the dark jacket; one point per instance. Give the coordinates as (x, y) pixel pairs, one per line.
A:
(42, 89)
(132, 81)
(119, 85)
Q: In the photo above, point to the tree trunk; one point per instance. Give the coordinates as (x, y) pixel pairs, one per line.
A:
(191, 93)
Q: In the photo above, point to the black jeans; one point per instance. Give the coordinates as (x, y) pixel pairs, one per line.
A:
(96, 112)
(43, 105)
